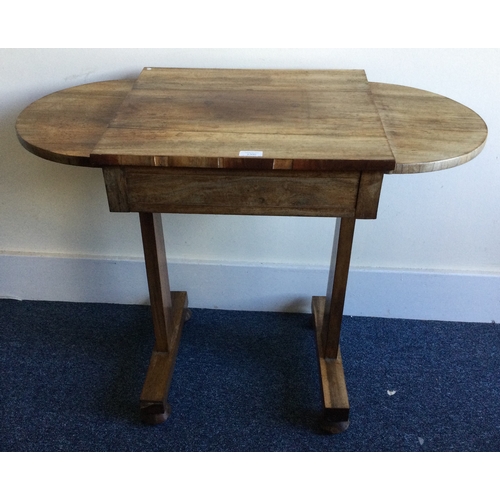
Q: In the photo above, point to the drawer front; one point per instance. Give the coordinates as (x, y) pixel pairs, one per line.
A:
(175, 190)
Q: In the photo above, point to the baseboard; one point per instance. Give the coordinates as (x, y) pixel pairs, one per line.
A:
(391, 293)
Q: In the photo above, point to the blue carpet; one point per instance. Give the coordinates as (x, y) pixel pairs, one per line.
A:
(71, 375)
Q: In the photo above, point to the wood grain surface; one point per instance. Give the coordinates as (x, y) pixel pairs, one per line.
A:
(172, 190)
(325, 116)
(65, 126)
(426, 131)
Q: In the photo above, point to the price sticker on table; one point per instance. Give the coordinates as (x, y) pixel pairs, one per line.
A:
(251, 153)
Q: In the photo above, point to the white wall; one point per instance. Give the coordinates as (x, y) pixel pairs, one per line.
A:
(443, 222)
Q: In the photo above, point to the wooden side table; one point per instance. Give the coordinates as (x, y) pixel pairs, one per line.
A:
(249, 142)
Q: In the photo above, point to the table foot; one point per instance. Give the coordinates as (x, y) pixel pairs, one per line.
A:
(335, 401)
(332, 427)
(155, 413)
(154, 408)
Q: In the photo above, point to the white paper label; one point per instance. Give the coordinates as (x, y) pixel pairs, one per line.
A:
(251, 153)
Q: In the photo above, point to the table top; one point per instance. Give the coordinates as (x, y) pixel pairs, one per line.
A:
(271, 119)
(321, 120)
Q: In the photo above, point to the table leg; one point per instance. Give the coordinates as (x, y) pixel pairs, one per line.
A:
(327, 316)
(169, 312)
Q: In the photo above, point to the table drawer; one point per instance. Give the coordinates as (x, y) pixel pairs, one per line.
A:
(219, 191)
